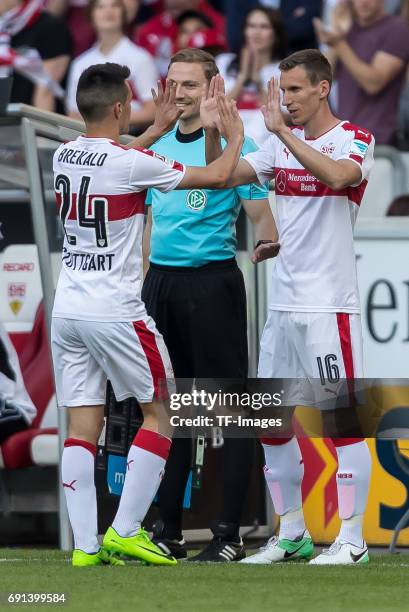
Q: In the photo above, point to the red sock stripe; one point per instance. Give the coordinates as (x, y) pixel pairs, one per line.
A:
(153, 356)
(76, 442)
(153, 442)
(274, 441)
(346, 441)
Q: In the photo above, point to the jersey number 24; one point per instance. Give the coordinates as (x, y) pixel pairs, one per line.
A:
(96, 221)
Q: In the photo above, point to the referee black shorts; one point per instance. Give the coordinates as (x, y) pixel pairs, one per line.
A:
(201, 313)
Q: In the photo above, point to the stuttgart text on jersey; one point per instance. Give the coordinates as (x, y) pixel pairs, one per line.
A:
(87, 262)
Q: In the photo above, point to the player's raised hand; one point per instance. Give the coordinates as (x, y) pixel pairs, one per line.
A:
(209, 113)
(231, 125)
(273, 117)
(167, 113)
(265, 250)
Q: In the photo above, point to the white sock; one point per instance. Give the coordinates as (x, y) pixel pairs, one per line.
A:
(77, 472)
(353, 476)
(292, 525)
(351, 530)
(284, 471)
(145, 467)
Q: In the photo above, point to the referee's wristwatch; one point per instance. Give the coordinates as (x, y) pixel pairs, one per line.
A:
(263, 242)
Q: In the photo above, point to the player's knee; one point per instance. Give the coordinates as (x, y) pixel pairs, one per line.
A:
(156, 418)
(86, 423)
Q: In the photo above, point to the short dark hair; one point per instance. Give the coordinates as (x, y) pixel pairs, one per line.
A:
(197, 56)
(99, 87)
(313, 61)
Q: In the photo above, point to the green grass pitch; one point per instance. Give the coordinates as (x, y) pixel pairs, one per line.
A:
(381, 585)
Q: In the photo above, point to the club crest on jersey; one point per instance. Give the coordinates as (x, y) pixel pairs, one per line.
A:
(328, 149)
(196, 199)
(17, 295)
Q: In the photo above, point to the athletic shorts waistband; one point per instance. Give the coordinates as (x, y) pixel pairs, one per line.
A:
(224, 264)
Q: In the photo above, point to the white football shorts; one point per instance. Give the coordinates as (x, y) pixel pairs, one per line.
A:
(321, 353)
(132, 355)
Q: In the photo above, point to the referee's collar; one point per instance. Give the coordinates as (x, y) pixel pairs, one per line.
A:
(196, 135)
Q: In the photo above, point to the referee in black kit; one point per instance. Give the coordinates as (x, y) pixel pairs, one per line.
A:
(195, 293)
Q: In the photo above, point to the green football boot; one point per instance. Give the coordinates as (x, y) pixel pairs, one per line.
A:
(278, 551)
(102, 557)
(139, 546)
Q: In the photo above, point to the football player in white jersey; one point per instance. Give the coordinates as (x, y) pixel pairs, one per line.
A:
(100, 328)
(313, 331)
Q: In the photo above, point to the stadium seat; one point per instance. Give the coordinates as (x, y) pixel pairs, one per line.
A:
(380, 191)
(383, 185)
(17, 451)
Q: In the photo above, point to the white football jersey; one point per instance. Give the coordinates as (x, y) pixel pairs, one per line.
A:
(315, 269)
(99, 187)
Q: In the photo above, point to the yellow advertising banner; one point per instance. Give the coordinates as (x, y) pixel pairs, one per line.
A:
(389, 489)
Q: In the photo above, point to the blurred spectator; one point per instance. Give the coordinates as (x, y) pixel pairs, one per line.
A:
(109, 20)
(337, 15)
(399, 207)
(188, 23)
(297, 16)
(370, 61)
(404, 101)
(246, 74)
(17, 411)
(75, 13)
(38, 46)
(158, 35)
(196, 31)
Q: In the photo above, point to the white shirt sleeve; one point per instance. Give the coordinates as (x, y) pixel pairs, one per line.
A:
(263, 161)
(223, 61)
(149, 169)
(359, 147)
(144, 74)
(73, 78)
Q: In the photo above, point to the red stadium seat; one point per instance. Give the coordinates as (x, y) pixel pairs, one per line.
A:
(36, 368)
(16, 450)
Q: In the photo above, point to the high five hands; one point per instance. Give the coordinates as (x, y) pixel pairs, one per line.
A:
(273, 116)
(166, 113)
(219, 112)
(231, 125)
